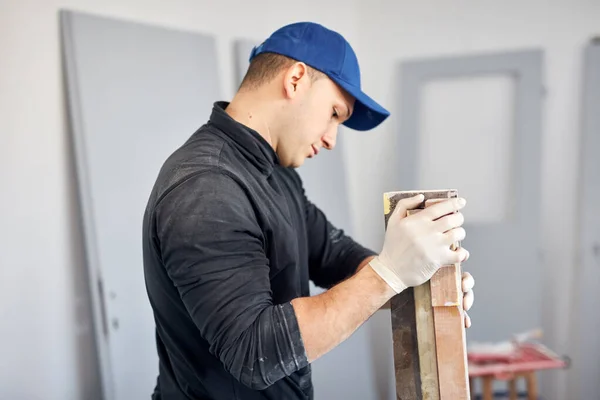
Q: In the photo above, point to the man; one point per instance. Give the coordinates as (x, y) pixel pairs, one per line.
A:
(231, 241)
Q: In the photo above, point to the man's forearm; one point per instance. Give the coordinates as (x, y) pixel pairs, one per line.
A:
(327, 319)
(364, 263)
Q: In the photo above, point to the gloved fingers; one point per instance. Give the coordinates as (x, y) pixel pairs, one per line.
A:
(450, 221)
(467, 321)
(468, 255)
(454, 235)
(468, 282)
(468, 299)
(455, 256)
(407, 204)
(442, 208)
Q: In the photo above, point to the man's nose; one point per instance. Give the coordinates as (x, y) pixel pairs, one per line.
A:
(329, 139)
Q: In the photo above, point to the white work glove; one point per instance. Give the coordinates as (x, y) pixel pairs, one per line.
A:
(416, 246)
(468, 296)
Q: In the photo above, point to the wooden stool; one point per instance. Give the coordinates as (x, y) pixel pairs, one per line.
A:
(524, 362)
(488, 385)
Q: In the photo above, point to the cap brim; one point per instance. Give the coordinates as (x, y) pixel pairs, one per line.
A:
(367, 113)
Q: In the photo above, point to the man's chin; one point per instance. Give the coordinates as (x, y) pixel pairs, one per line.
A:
(293, 162)
(298, 163)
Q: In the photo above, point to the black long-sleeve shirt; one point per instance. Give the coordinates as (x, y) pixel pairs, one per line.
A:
(229, 239)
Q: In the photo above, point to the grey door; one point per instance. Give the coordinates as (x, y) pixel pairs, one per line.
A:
(473, 123)
(136, 92)
(586, 341)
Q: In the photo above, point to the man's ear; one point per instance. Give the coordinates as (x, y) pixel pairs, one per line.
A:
(295, 79)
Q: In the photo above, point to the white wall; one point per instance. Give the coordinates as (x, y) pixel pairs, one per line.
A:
(46, 342)
(45, 337)
(393, 30)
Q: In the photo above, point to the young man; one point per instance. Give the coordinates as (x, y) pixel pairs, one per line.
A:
(231, 241)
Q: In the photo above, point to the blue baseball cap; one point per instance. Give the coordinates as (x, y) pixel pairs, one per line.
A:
(327, 51)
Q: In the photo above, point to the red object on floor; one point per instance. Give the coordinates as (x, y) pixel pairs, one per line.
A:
(527, 357)
(523, 362)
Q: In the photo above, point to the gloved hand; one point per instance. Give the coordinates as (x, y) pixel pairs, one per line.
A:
(468, 296)
(416, 246)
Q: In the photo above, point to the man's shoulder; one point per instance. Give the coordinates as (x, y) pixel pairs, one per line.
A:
(203, 159)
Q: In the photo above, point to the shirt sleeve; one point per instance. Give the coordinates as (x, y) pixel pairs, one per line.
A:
(212, 248)
(333, 255)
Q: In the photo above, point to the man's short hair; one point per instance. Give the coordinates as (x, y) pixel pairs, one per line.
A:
(265, 67)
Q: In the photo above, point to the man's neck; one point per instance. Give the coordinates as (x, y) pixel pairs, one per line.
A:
(252, 113)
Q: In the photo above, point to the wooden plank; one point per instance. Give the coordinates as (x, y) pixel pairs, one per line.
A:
(426, 340)
(446, 302)
(406, 356)
(446, 288)
(450, 334)
(450, 338)
(390, 199)
(413, 364)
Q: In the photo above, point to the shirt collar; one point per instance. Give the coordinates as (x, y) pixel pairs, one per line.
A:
(249, 142)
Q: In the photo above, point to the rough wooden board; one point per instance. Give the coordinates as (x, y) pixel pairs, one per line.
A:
(450, 341)
(406, 356)
(404, 329)
(446, 284)
(446, 288)
(426, 340)
(390, 199)
(446, 301)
